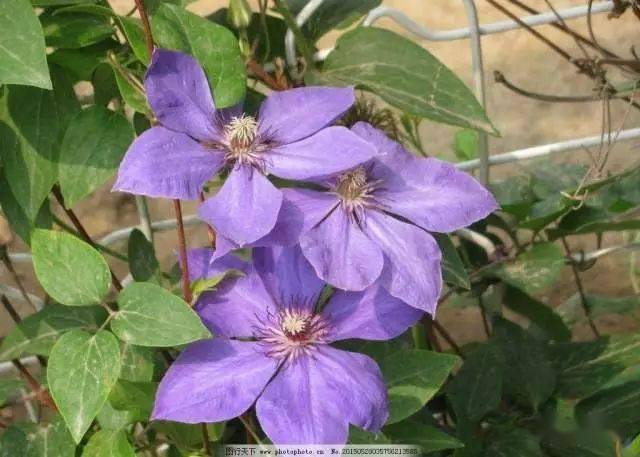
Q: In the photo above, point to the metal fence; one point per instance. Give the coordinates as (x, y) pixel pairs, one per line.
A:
(473, 33)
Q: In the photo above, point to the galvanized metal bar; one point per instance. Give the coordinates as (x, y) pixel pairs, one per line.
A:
(479, 84)
(547, 149)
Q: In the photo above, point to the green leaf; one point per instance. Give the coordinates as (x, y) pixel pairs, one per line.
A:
(528, 375)
(572, 310)
(46, 3)
(81, 372)
(588, 219)
(465, 144)
(7, 388)
(109, 443)
(69, 269)
(453, 270)
(138, 363)
(91, 151)
(81, 63)
(332, 14)
(535, 270)
(404, 74)
(38, 333)
(22, 52)
(18, 220)
(188, 437)
(152, 316)
(515, 443)
(617, 408)
(74, 30)
(32, 124)
(413, 377)
(131, 96)
(142, 259)
(135, 36)
(135, 397)
(110, 418)
(200, 286)
(13, 442)
(215, 47)
(477, 387)
(514, 195)
(586, 367)
(583, 443)
(38, 440)
(361, 436)
(430, 439)
(539, 314)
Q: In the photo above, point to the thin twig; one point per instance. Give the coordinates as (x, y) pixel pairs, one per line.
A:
(186, 287)
(84, 234)
(448, 338)
(262, 75)
(205, 440)
(483, 313)
(41, 394)
(146, 26)
(16, 278)
(246, 424)
(588, 68)
(501, 79)
(10, 309)
(581, 291)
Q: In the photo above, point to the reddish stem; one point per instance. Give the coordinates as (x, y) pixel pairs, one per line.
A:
(146, 25)
(42, 395)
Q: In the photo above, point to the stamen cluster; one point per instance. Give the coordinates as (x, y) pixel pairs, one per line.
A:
(291, 333)
(242, 142)
(356, 191)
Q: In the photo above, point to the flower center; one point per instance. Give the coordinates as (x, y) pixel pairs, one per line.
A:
(352, 184)
(356, 191)
(242, 139)
(241, 133)
(294, 325)
(291, 333)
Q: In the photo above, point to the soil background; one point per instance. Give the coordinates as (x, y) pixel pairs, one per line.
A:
(522, 122)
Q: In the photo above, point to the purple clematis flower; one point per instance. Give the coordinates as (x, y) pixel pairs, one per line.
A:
(272, 348)
(371, 224)
(289, 138)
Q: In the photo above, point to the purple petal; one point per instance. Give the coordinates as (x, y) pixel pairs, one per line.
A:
(288, 275)
(203, 265)
(372, 315)
(330, 151)
(246, 208)
(431, 193)
(313, 399)
(213, 381)
(237, 306)
(301, 210)
(341, 253)
(412, 269)
(166, 164)
(295, 114)
(359, 382)
(179, 94)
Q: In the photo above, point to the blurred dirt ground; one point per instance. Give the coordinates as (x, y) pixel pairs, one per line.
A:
(522, 122)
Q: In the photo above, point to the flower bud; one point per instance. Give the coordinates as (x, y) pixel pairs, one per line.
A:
(239, 14)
